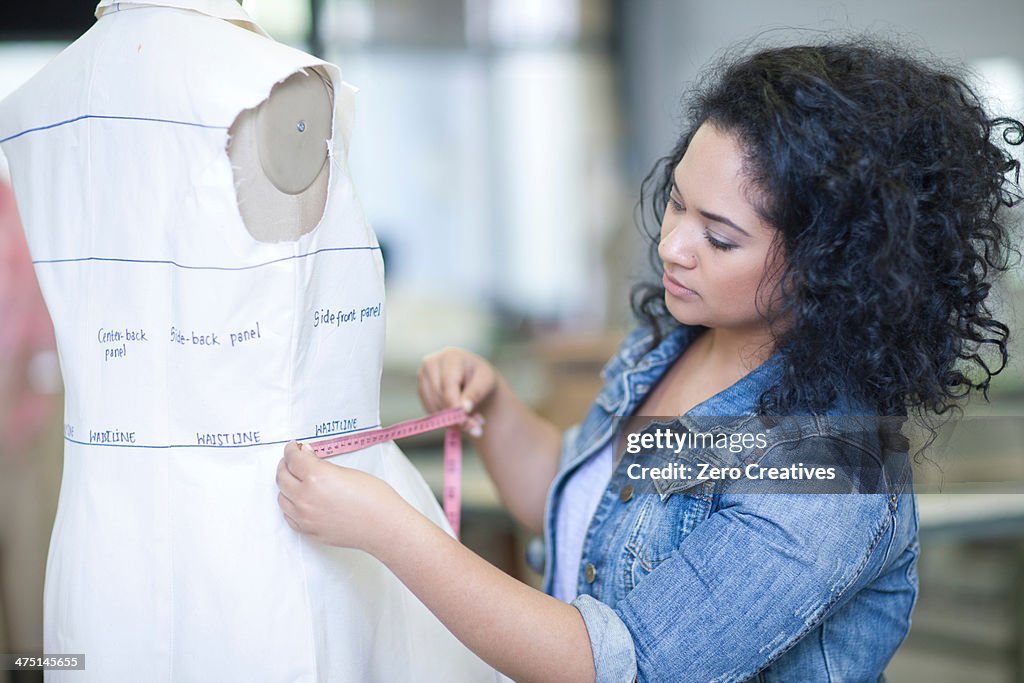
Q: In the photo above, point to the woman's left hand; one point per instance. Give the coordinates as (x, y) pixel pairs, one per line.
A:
(332, 504)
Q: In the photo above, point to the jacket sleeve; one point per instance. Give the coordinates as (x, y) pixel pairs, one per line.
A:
(742, 588)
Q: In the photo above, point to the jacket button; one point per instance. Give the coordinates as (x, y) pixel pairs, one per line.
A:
(590, 572)
(626, 493)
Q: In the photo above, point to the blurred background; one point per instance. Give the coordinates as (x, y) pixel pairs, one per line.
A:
(498, 150)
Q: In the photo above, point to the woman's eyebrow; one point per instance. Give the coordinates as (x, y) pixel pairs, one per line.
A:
(712, 216)
(722, 219)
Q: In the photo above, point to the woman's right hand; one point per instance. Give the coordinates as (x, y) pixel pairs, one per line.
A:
(455, 377)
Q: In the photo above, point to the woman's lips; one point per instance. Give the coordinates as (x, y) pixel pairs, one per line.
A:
(676, 289)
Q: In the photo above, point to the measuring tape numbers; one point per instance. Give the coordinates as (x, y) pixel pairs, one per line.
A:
(450, 419)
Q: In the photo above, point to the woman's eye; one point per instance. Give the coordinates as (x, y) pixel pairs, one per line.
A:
(717, 244)
(676, 205)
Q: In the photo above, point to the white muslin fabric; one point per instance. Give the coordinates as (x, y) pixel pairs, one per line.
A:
(191, 354)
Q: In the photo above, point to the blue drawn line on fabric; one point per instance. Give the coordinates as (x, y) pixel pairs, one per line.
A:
(115, 118)
(190, 267)
(249, 445)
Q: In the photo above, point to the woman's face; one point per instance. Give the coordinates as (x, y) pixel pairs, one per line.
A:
(714, 245)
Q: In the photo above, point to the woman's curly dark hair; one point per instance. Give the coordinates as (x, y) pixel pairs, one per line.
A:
(886, 181)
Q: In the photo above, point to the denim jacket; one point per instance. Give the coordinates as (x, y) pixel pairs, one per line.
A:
(706, 582)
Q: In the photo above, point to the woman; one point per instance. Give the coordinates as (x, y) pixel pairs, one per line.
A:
(830, 225)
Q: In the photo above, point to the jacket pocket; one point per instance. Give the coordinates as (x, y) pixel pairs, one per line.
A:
(660, 527)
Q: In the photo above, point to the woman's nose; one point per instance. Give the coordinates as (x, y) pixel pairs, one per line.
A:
(678, 245)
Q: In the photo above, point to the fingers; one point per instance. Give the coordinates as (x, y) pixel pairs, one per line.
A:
(288, 508)
(453, 375)
(299, 460)
(479, 385)
(475, 425)
(286, 481)
(430, 383)
(455, 378)
(289, 498)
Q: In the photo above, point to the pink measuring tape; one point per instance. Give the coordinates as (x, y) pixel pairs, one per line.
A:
(450, 419)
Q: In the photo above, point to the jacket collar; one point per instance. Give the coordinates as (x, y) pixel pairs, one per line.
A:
(739, 399)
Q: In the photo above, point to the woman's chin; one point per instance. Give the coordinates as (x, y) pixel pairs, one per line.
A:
(684, 313)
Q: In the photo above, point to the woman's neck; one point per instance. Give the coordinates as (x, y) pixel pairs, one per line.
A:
(734, 349)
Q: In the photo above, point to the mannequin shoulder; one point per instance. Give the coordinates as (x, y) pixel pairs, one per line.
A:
(291, 130)
(279, 157)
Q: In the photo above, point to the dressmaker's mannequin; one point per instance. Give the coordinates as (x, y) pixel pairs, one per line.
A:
(170, 196)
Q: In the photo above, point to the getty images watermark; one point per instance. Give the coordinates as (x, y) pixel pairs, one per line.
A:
(703, 455)
(664, 440)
